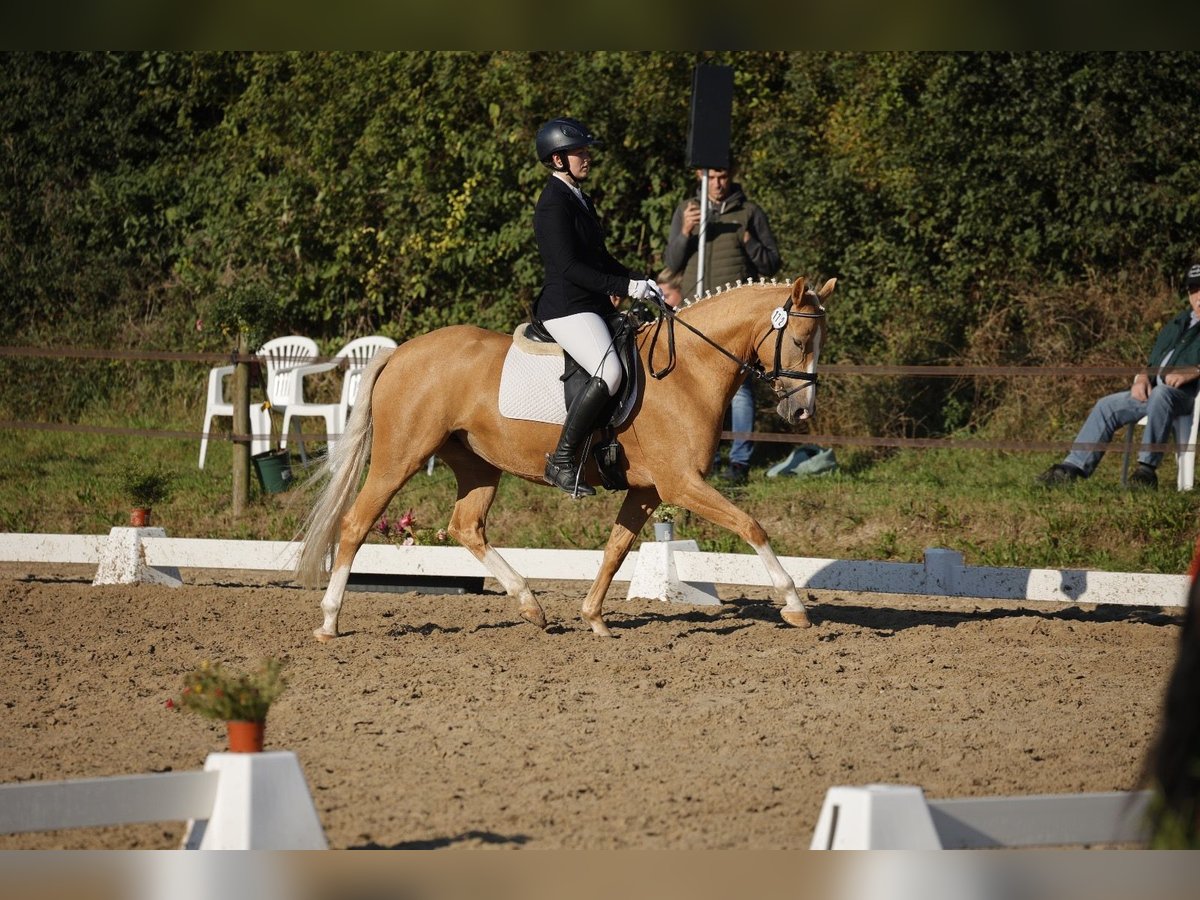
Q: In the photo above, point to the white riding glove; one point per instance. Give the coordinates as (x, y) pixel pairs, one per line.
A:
(644, 290)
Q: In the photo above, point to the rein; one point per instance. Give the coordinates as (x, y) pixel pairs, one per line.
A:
(778, 325)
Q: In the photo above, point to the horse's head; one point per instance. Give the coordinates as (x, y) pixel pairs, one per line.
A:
(790, 360)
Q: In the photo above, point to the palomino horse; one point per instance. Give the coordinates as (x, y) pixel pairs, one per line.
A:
(437, 394)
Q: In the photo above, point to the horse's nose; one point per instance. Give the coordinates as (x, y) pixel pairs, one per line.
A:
(792, 411)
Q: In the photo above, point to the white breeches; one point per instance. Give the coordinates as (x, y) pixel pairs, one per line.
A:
(587, 339)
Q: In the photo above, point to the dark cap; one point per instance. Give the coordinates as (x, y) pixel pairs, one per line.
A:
(1193, 278)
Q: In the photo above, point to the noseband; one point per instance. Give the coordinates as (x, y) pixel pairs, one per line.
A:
(778, 325)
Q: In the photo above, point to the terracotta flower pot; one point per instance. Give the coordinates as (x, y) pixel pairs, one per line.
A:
(139, 517)
(245, 737)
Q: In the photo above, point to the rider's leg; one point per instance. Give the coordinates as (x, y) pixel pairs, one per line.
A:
(587, 339)
(564, 466)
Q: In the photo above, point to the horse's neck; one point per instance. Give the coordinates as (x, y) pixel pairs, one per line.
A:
(735, 320)
(702, 372)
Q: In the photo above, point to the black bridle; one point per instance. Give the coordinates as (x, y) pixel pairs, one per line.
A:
(755, 368)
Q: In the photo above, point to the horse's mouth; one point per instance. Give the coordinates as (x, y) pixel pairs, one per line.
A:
(795, 414)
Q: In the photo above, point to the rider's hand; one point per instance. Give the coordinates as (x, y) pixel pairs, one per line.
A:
(644, 290)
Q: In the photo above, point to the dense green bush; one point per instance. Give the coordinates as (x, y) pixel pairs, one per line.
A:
(393, 193)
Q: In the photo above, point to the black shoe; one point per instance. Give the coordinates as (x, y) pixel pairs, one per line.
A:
(1061, 473)
(564, 467)
(566, 476)
(736, 473)
(1144, 477)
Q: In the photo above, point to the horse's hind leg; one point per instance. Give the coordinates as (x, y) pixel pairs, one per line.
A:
(383, 481)
(477, 482)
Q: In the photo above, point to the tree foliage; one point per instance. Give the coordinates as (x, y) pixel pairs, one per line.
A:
(393, 192)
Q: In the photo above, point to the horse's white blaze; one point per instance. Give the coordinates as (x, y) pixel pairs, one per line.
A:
(808, 407)
(780, 579)
(331, 603)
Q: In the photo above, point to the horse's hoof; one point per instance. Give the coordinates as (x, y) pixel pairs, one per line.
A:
(323, 636)
(797, 618)
(534, 617)
(598, 627)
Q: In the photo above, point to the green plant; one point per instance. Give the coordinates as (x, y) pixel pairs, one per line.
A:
(214, 692)
(146, 484)
(666, 512)
(244, 304)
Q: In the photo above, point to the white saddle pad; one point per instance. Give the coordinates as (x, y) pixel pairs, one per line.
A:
(531, 385)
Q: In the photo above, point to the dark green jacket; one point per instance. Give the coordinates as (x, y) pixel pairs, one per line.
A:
(727, 257)
(1177, 334)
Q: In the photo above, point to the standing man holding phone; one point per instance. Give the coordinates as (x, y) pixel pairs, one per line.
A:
(738, 245)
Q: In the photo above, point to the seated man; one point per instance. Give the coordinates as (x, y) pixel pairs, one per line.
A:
(1157, 396)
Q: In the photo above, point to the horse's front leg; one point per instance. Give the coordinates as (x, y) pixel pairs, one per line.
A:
(639, 503)
(704, 500)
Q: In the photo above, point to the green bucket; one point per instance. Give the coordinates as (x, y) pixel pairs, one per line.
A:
(274, 470)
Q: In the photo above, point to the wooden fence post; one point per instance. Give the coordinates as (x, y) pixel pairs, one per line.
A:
(241, 430)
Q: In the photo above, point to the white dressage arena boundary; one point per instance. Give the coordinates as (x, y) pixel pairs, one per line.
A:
(670, 571)
(240, 801)
(899, 817)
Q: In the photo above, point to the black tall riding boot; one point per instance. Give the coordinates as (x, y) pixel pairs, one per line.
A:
(564, 467)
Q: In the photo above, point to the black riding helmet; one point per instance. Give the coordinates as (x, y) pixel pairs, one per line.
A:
(560, 136)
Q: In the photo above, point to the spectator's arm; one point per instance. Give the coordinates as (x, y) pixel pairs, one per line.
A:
(1179, 379)
(680, 246)
(760, 243)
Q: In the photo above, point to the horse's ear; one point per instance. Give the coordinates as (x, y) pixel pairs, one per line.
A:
(827, 289)
(798, 289)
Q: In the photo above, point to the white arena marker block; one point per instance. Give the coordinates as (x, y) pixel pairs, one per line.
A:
(655, 577)
(875, 817)
(123, 560)
(262, 803)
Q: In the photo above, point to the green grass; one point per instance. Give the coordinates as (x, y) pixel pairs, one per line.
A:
(984, 504)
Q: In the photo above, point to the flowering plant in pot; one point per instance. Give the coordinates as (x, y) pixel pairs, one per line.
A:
(404, 531)
(145, 484)
(240, 699)
(665, 515)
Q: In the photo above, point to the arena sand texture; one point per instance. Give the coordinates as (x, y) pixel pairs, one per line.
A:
(443, 721)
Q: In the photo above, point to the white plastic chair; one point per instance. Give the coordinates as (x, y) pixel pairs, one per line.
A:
(216, 405)
(354, 356)
(1186, 428)
(281, 355)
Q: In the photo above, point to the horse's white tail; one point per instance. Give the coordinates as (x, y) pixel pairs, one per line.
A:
(344, 467)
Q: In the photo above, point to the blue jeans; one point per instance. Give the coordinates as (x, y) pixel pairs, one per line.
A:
(1120, 409)
(741, 418)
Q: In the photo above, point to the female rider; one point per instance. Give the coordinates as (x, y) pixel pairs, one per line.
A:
(583, 282)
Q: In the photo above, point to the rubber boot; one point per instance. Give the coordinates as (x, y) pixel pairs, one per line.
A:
(564, 467)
